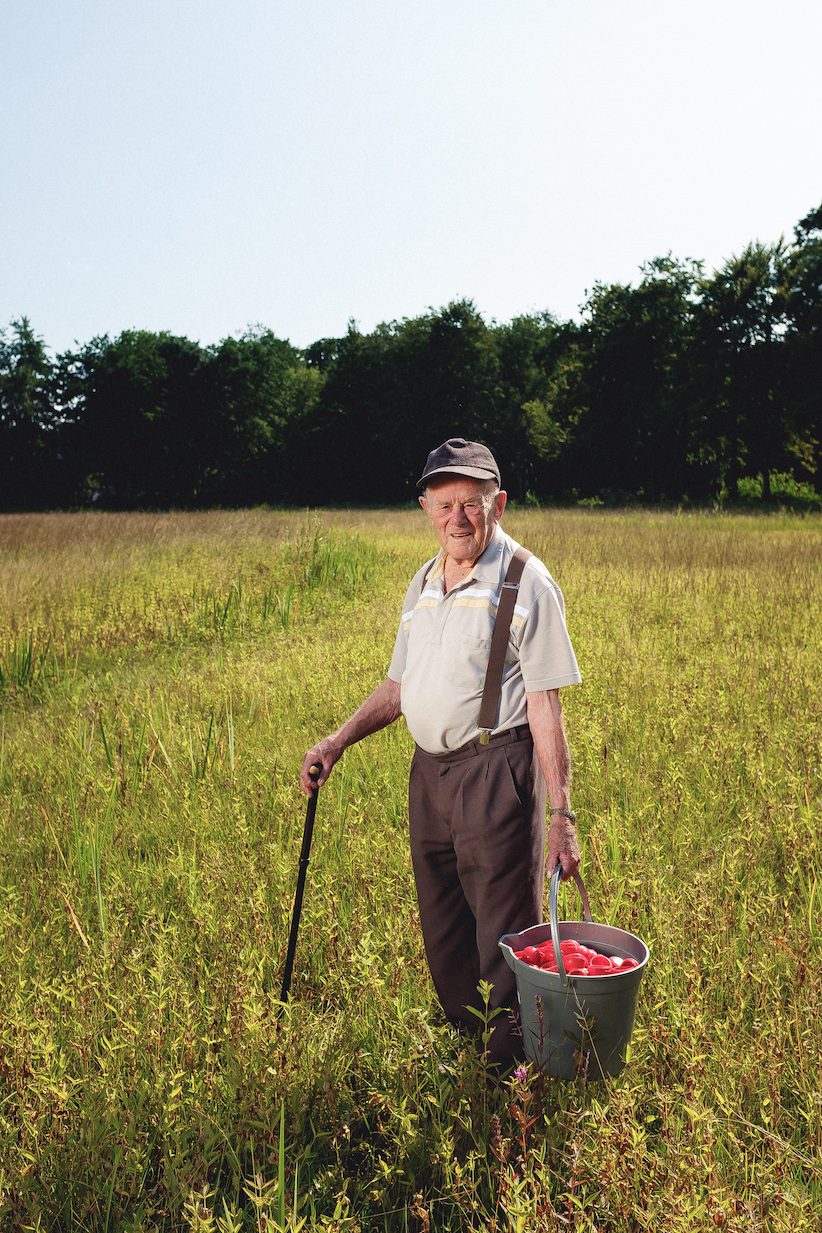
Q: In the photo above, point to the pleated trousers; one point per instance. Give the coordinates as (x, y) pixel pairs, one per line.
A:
(477, 830)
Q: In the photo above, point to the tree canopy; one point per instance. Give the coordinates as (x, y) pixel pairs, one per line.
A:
(679, 387)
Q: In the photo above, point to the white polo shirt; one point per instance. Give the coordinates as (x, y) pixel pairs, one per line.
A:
(444, 639)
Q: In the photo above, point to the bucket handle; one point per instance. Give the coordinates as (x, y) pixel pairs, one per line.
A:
(586, 913)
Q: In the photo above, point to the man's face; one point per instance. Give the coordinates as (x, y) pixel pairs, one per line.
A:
(463, 515)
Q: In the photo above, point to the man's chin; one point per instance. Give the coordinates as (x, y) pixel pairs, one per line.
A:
(462, 549)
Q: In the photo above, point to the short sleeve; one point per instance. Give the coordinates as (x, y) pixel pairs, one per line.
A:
(547, 658)
(398, 659)
(397, 665)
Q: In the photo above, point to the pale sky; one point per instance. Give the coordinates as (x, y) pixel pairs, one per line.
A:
(201, 167)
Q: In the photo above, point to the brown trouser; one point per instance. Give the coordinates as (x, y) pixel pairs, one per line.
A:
(477, 823)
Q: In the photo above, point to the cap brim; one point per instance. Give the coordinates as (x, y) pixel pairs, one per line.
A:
(471, 472)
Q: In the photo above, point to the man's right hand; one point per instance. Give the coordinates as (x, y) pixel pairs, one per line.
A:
(380, 708)
(563, 846)
(324, 754)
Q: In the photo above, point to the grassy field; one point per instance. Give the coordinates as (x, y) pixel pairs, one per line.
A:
(160, 677)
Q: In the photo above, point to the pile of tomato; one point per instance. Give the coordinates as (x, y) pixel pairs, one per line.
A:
(578, 959)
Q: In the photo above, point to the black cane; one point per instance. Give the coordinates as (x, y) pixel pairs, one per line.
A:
(314, 774)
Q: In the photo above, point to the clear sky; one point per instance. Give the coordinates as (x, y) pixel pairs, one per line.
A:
(202, 166)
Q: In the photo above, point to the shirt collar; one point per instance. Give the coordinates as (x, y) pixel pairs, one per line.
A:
(486, 569)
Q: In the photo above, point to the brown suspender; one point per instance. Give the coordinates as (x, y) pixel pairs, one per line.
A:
(499, 643)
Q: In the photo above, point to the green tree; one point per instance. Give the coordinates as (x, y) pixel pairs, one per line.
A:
(803, 343)
(29, 451)
(741, 365)
(158, 421)
(391, 395)
(447, 380)
(528, 434)
(618, 389)
(252, 388)
(137, 415)
(348, 438)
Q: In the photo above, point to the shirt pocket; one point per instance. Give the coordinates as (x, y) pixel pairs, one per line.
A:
(466, 663)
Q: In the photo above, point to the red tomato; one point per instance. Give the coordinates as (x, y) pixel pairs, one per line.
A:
(578, 959)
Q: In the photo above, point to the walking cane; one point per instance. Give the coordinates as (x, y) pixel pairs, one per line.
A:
(314, 774)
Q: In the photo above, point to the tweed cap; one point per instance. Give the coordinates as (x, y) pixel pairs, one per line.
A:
(456, 456)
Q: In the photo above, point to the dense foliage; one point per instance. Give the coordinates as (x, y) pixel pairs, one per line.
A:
(683, 387)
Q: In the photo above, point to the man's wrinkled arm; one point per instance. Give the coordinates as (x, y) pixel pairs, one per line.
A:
(545, 720)
(380, 709)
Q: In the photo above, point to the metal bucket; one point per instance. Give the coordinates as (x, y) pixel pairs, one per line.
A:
(576, 1026)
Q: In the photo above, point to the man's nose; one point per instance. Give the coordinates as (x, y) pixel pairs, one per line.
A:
(459, 515)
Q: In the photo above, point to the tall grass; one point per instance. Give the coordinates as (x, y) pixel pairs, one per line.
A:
(150, 826)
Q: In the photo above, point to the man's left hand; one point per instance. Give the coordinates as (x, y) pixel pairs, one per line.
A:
(563, 845)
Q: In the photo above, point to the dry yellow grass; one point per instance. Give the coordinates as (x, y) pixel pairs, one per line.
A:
(149, 830)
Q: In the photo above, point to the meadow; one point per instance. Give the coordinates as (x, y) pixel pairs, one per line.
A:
(161, 676)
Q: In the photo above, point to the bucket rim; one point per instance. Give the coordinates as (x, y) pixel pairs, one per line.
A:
(542, 931)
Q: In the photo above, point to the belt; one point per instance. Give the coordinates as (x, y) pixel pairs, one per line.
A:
(474, 748)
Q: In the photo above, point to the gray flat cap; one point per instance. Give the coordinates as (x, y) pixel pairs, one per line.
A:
(457, 456)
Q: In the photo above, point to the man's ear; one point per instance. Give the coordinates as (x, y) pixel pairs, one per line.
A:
(500, 499)
(424, 503)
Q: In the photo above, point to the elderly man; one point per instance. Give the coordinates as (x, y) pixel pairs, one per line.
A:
(477, 791)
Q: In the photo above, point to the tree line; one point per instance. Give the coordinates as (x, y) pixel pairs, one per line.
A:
(681, 387)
